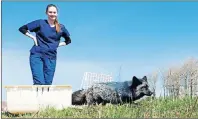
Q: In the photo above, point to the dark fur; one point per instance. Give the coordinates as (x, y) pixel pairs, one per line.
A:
(113, 92)
(79, 98)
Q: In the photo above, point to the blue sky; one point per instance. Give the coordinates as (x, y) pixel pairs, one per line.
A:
(142, 37)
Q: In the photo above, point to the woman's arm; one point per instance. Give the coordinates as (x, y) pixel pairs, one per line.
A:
(31, 27)
(24, 29)
(66, 36)
(66, 42)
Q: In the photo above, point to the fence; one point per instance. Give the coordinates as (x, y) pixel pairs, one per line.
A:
(90, 78)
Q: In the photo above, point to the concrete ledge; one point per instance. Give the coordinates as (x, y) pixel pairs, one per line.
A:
(32, 98)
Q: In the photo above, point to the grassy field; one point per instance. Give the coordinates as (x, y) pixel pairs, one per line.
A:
(149, 108)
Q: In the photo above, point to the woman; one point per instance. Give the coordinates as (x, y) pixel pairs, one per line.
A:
(47, 39)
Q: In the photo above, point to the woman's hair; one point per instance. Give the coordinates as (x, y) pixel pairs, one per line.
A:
(56, 20)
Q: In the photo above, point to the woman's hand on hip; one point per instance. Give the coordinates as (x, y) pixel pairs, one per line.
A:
(32, 37)
(35, 41)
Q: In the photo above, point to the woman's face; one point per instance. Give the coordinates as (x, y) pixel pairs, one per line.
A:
(52, 13)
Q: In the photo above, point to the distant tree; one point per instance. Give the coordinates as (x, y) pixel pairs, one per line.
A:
(181, 77)
(152, 79)
(190, 76)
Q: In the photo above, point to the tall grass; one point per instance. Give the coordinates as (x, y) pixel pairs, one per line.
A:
(150, 108)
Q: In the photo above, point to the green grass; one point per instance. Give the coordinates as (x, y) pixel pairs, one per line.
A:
(153, 108)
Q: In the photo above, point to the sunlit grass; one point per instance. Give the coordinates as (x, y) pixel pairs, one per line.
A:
(155, 108)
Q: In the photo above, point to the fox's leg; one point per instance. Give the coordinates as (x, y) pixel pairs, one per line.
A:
(119, 99)
(89, 98)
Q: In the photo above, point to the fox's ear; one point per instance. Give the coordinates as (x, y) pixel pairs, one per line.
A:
(135, 82)
(134, 78)
(145, 78)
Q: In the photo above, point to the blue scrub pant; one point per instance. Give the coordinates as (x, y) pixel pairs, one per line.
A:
(42, 68)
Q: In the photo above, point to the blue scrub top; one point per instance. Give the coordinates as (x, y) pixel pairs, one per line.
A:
(47, 37)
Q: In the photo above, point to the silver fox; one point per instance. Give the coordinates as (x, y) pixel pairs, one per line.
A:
(113, 92)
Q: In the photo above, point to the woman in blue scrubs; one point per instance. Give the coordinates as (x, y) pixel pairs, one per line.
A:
(47, 40)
